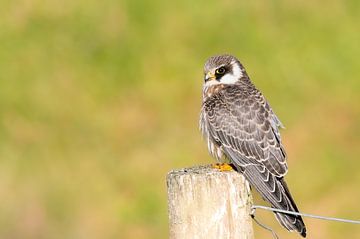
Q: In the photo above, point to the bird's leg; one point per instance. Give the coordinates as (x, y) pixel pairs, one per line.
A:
(223, 167)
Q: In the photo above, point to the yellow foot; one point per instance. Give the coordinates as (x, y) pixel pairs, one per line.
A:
(223, 167)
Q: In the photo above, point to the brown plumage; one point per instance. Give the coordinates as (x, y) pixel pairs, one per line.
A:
(240, 126)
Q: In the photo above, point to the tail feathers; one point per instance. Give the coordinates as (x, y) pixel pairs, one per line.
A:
(291, 223)
(274, 190)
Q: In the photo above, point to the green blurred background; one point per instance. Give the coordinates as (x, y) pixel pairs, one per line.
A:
(100, 99)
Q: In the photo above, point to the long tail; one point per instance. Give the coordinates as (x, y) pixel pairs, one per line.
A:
(274, 190)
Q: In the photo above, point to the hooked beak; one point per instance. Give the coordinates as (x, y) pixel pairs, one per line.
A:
(209, 76)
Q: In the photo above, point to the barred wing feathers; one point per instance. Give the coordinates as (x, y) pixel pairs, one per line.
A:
(241, 122)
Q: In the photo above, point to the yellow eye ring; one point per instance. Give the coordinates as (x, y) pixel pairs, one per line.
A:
(220, 71)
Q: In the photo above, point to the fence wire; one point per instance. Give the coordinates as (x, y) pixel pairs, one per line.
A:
(254, 207)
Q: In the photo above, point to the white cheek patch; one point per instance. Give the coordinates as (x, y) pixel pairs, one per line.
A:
(229, 79)
(237, 71)
(234, 77)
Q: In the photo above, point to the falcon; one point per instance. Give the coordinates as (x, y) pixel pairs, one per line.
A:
(241, 129)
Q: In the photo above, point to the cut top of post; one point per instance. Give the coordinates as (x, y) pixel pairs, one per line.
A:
(207, 203)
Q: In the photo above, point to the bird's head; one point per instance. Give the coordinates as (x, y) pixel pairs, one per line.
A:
(223, 69)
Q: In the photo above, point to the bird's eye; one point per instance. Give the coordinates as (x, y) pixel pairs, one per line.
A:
(220, 71)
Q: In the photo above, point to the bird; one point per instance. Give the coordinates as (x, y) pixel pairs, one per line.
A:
(241, 129)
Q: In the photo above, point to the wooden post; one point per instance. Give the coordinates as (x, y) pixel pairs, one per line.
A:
(206, 203)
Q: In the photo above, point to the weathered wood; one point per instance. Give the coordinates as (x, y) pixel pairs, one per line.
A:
(206, 203)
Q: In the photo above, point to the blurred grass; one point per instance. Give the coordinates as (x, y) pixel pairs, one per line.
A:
(100, 99)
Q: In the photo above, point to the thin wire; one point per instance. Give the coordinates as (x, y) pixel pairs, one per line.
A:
(254, 207)
(263, 225)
